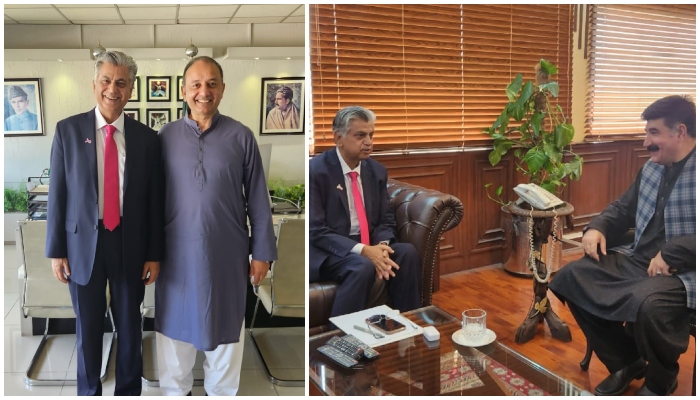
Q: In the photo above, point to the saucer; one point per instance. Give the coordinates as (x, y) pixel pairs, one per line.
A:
(488, 338)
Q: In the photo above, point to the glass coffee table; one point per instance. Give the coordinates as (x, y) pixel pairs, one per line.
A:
(416, 367)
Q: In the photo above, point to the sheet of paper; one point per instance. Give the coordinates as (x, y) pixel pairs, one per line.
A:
(347, 322)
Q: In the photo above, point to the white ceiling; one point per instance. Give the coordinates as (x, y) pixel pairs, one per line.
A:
(154, 14)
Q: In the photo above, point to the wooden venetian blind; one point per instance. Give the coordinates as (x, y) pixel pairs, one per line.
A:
(639, 54)
(435, 75)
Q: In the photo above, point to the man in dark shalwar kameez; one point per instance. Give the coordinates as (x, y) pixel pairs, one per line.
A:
(214, 187)
(632, 304)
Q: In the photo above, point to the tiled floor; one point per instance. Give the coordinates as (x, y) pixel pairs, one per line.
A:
(59, 361)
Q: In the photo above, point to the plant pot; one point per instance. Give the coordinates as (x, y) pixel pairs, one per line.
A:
(517, 244)
(11, 225)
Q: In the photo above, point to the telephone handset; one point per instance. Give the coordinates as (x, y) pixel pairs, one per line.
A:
(536, 196)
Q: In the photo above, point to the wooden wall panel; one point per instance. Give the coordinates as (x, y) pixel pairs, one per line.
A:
(609, 169)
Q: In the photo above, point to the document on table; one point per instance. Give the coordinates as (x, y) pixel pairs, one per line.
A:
(347, 324)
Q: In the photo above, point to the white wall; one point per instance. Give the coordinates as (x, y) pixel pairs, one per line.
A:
(67, 90)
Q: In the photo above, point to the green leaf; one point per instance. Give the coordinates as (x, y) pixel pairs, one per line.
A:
(551, 87)
(536, 123)
(501, 121)
(550, 69)
(499, 191)
(535, 159)
(514, 87)
(526, 93)
(494, 157)
(563, 135)
(519, 113)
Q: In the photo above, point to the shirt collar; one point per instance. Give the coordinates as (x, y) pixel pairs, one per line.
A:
(193, 123)
(346, 168)
(100, 121)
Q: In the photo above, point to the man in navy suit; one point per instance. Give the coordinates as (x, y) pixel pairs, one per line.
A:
(339, 249)
(105, 222)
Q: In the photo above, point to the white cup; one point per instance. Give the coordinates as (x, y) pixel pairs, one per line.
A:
(474, 325)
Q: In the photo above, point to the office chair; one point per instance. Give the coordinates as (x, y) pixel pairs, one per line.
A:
(283, 294)
(43, 296)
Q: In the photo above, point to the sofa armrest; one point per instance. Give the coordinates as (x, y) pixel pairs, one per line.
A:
(422, 216)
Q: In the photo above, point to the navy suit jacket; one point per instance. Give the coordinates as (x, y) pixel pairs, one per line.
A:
(329, 228)
(72, 215)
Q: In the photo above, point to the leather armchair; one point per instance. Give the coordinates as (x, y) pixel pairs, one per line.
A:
(422, 216)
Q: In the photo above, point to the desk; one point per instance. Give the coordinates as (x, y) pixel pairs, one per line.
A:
(411, 367)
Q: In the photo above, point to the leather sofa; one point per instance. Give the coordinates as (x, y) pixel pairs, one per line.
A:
(422, 216)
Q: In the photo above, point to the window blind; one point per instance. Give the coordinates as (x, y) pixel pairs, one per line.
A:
(435, 75)
(639, 54)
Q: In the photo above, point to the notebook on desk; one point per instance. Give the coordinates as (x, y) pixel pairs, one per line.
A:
(347, 324)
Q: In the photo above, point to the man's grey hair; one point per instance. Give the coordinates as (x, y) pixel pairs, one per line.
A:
(118, 59)
(342, 120)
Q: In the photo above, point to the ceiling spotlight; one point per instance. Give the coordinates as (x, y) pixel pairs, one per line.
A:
(157, 59)
(289, 58)
(256, 58)
(191, 50)
(60, 59)
(97, 51)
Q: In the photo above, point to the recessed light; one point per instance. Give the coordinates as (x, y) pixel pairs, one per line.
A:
(60, 59)
(157, 59)
(256, 58)
(289, 58)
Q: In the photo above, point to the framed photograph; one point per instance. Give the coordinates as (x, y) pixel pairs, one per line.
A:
(179, 112)
(158, 88)
(24, 111)
(136, 91)
(282, 106)
(180, 82)
(157, 117)
(133, 113)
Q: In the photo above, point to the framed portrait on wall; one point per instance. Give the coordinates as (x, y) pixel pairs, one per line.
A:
(282, 109)
(24, 111)
(136, 91)
(158, 88)
(179, 112)
(157, 117)
(132, 113)
(180, 82)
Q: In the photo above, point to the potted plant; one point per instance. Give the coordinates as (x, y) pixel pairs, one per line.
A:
(538, 134)
(15, 210)
(294, 195)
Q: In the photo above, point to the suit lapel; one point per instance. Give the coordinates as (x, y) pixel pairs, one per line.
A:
(129, 138)
(367, 191)
(87, 129)
(338, 180)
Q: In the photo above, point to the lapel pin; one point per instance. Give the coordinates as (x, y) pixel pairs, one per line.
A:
(339, 187)
(88, 141)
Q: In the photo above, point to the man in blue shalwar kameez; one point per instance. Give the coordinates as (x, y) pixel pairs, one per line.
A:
(214, 187)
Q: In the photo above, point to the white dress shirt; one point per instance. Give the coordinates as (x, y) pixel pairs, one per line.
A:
(100, 135)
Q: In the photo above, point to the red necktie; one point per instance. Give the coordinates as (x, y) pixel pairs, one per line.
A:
(110, 216)
(360, 209)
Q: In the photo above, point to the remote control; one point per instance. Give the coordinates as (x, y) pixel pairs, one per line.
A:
(338, 356)
(369, 352)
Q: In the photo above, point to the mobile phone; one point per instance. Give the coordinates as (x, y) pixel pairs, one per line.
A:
(385, 324)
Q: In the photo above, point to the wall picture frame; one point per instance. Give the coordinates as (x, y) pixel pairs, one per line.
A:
(158, 88)
(180, 83)
(282, 110)
(157, 117)
(134, 113)
(136, 91)
(24, 110)
(179, 112)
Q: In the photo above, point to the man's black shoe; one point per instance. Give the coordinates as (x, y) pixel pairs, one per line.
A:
(617, 382)
(645, 391)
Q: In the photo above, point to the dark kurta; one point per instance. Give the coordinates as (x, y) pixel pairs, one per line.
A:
(614, 288)
(214, 185)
